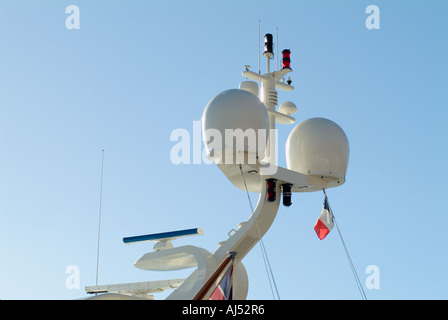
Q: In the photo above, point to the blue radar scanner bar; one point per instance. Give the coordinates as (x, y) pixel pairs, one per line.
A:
(163, 236)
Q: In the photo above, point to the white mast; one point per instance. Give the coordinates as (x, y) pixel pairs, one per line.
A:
(317, 158)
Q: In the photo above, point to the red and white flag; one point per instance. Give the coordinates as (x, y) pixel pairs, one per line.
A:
(224, 290)
(325, 222)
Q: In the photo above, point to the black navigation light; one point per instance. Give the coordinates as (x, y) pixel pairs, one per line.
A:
(287, 194)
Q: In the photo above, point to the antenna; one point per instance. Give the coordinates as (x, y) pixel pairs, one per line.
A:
(99, 217)
(164, 236)
(259, 48)
(277, 48)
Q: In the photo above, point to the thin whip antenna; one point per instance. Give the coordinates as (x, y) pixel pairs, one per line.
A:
(99, 217)
(259, 49)
(277, 48)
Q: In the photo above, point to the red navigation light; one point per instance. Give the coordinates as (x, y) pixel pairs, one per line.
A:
(271, 192)
(286, 58)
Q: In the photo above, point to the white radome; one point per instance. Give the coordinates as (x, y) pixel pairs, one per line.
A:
(250, 86)
(318, 147)
(287, 108)
(235, 109)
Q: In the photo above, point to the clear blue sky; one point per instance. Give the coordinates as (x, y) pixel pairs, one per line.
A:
(137, 70)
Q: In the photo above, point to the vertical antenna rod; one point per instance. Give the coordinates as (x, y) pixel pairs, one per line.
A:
(99, 217)
(259, 48)
(277, 48)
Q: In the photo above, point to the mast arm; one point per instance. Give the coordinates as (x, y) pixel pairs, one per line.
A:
(251, 231)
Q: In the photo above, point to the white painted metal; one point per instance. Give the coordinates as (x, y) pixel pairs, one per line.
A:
(254, 179)
(195, 281)
(269, 83)
(281, 117)
(241, 241)
(172, 259)
(136, 288)
(119, 296)
(251, 231)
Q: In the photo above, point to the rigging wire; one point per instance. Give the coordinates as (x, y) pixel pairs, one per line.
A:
(352, 266)
(264, 253)
(263, 250)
